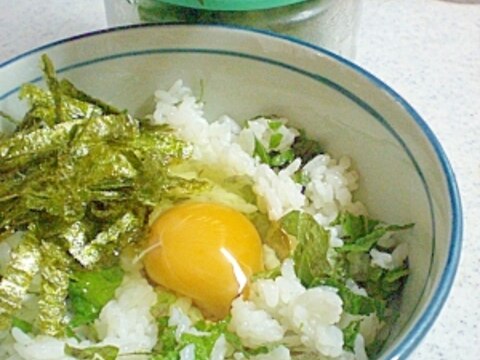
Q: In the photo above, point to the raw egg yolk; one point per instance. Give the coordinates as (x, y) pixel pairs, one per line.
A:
(206, 252)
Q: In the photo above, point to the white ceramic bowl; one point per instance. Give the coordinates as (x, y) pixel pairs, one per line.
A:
(405, 174)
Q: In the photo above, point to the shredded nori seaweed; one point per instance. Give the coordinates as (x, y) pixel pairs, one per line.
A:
(24, 264)
(54, 272)
(107, 352)
(82, 177)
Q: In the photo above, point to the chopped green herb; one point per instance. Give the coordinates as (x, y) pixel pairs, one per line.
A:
(275, 125)
(278, 160)
(362, 234)
(274, 159)
(166, 342)
(376, 346)
(301, 178)
(164, 300)
(275, 140)
(385, 284)
(350, 334)
(261, 152)
(356, 304)
(365, 243)
(355, 227)
(169, 348)
(23, 325)
(267, 274)
(89, 292)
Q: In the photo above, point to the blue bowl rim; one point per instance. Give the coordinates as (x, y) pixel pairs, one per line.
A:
(438, 298)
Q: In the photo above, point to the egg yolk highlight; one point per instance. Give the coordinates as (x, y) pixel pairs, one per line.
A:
(204, 251)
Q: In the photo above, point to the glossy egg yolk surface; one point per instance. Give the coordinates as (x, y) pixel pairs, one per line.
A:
(206, 252)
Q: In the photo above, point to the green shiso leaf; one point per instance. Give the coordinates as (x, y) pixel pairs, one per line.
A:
(23, 325)
(90, 291)
(203, 344)
(273, 158)
(385, 284)
(261, 152)
(267, 274)
(282, 159)
(362, 234)
(311, 253)
(356, 304)
(54, 272)
(365, 243)
(350, 334)
(107, 352)
(275, 140)
(355, 227)
(24, 264)
(164, 300)
(275, 124)
(376, 346)
(169, 348)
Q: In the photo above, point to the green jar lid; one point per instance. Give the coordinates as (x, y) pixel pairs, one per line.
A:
(232, 5)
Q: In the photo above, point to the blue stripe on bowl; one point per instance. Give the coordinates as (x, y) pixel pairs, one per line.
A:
(423, 324)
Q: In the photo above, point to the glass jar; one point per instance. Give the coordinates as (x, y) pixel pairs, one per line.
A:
(331, 24)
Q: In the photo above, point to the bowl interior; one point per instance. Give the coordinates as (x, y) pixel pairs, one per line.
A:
(405, 176)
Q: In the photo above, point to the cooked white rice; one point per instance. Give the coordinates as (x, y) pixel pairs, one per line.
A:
(280, 312)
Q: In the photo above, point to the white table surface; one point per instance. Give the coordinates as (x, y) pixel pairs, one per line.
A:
(427, 50)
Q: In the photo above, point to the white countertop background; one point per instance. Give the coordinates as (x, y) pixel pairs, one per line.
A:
(427, 50)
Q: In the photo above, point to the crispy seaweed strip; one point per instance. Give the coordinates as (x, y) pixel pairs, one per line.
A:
(54, 290)
(24, 264)
(108, 127)
(6, 234)
(107, 352)
(42, 108)
(110, 238)
(76, 238)
(158, 144)
(54, 87)
(22, 148)
(7, 117)
(69, 89)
